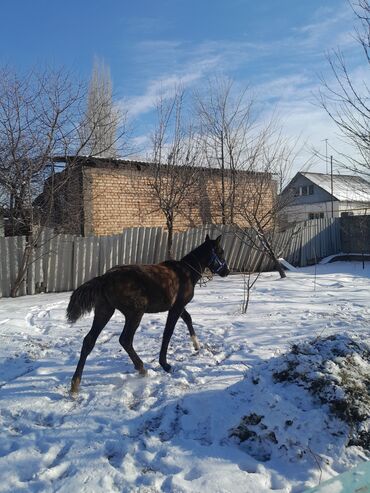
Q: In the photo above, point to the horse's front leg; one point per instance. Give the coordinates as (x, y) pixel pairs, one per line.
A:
(172, 318)
(189, 323)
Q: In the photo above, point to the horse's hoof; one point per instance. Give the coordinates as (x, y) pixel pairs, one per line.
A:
(143, 372)
(73, 394)
(75, 385)
(195, 343)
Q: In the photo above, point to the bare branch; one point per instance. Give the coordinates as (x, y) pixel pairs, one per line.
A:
(346, 101)
(175, 156)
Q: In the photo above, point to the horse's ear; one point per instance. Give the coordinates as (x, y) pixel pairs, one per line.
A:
(207, 237)
(218, 239)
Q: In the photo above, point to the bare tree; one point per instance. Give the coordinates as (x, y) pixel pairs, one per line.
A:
(248, 283)
(175, 154)
(253, 161)
(259, 206)
(42, 115)
(346, 100)
(226, 126)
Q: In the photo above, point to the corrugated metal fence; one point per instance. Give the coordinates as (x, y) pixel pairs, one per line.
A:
(63, 262)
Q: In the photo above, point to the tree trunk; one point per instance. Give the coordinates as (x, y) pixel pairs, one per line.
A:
(22, 270)
(270, 252)
(169, 224)
(279, 268)
(247, 289)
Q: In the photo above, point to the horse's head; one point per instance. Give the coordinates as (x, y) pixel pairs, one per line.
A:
(216, 262)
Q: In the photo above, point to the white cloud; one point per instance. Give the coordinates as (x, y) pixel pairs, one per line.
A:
(146, 102)
(331, 27)
(302, 118)
(283, 75)
(194, 68)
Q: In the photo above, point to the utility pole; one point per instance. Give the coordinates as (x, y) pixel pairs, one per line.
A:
(223, 204)
(326, 155)
(331, 186)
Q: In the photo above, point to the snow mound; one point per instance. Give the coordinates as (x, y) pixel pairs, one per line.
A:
(321, 387)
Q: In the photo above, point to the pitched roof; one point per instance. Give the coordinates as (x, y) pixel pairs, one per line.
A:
(345, 187)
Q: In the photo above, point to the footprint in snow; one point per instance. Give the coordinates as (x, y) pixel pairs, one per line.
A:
(115, 453)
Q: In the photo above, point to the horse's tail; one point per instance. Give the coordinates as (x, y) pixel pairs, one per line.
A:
(83, 299)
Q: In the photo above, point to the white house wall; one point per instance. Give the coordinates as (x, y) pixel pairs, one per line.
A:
(357, 208)
(297, 213)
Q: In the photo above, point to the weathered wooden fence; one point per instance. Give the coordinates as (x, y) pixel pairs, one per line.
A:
(63, 262)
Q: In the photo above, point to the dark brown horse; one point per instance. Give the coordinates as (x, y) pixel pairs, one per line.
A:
(138, 289)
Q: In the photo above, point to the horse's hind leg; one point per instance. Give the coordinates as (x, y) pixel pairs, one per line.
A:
(172, 318)
(189, 323)
(102, 316)
(127, 337)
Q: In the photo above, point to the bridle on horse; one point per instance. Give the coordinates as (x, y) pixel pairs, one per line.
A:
(215, 265)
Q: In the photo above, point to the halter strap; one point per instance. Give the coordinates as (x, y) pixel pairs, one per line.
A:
(199, 272)
(216, 264)
(203, 279)
(194, 269)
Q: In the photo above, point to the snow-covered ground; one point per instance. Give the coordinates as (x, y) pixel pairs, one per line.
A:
(172, 432)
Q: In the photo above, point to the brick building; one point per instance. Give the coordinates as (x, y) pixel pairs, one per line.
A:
(99, 196)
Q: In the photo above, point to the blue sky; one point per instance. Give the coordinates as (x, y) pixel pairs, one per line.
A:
(277, 47)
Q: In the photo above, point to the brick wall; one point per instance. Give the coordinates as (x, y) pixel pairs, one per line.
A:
(115, 199)
(120, 197)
